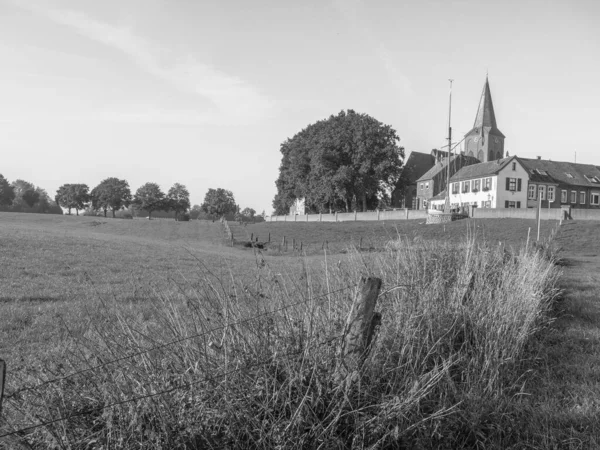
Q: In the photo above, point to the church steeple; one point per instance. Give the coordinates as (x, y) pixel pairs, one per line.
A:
(485, 141)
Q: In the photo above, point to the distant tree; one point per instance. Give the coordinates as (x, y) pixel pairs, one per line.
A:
(73, 196)
(7, 193)
(25, 193)
(150, 197)
(178, 199)
(219, 202)
(195, 212)
(45, 204)
(111, 193)
(349, 160)
(249, 213)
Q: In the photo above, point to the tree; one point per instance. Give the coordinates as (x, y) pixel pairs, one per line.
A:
(178, 199)
(7, 193)
(195, 212)
(349, 160)
(150, 197)
(111, 193)
(25, 193)
(249, 213)
(73, 196)
(219, 201)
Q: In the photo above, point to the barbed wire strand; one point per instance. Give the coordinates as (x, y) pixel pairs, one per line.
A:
(177, 341)
(147, 396)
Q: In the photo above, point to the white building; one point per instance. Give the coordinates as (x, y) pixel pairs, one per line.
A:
(493, 184)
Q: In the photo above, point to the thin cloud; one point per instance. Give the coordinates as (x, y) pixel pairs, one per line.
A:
(349, 10)
(235, 100)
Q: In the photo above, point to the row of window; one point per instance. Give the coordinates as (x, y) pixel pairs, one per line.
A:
(564, 195)
(472, 186)
(425, 185)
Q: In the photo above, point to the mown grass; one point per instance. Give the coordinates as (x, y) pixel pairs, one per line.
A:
(338, 237)
(447, 368)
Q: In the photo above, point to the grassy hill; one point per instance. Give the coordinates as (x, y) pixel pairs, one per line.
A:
(452, 365)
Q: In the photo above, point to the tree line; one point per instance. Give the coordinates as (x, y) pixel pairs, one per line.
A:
(349, 161)
(114, 194)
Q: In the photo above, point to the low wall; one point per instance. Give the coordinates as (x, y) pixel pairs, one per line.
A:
(517, 213)
(585, 214)
(400, 214)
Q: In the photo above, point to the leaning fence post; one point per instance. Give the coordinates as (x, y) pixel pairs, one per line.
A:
(358, 332)
(2, 377)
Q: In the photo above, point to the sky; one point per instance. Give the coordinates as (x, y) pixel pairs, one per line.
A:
(203, 92)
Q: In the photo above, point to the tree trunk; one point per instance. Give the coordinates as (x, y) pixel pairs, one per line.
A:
(113, 211)
(105, 213)
(149, 214)
(77, 211)
(364, 201)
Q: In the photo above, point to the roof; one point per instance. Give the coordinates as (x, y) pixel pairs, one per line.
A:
(417, 164)
(486, 117)
(543, 170)
(456, 162)
(484, 169)
(440, 196)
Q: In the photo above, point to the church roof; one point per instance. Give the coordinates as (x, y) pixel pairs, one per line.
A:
(457, 162)
(486, 117)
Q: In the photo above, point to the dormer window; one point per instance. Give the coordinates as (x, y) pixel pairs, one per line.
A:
(569, 174)
(592, 179)
(541, 172)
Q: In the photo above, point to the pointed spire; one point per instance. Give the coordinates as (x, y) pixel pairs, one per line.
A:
(485, 113)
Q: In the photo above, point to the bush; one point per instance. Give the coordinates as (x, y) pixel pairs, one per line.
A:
(183, 217)
(123, 214)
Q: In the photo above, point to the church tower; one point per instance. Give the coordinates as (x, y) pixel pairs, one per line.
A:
(485, 141)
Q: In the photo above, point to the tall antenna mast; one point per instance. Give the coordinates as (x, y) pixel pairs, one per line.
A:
(449, 148)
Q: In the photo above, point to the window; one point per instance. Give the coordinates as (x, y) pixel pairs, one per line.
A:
(541, 172)
(563, 196)
(592, 179)
(595, 198)
(476, 185)
(487, 204)
(569, 174)
(582, 198)
(455, 188)
(487, 184)
(542, 191)
(573, 196)
(514, 166)
(513, 184)
(421, 185)
(531, 195)
(508, 204)
(466, 186)
(551, 191)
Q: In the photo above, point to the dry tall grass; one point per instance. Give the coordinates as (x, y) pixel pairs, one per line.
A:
(250, 363)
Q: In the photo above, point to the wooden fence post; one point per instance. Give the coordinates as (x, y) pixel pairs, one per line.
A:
(358, 332)
(269, 237)
(2, 377)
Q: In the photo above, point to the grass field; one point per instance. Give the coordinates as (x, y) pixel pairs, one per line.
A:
(78, 290)
(343, 235)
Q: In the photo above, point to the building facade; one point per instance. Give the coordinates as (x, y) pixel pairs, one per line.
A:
(494, 184)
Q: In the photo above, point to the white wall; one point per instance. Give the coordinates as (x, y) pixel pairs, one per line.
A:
(476, 197)
(512, 196)
(498, 194)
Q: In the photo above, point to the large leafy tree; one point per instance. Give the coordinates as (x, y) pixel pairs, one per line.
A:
(111, 193)
(7, 193)
(178, 199)
(219, 202)
(349, 160)
(195, 212)
(25, 193)
(73, 196)
(150, 197)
